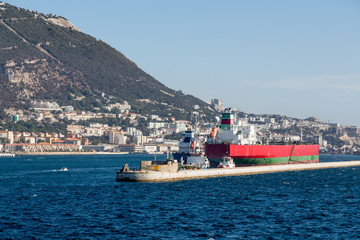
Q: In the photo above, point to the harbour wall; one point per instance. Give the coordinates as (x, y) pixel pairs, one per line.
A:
(154, 176)
(7, 155)
(69, 153)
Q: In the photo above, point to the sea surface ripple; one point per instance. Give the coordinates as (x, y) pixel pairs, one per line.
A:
(40, 202)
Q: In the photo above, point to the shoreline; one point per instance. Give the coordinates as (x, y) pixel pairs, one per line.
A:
(67, 153)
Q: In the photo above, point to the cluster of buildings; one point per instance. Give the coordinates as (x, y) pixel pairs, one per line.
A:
(133, 140)
(53, 112)
(119, 139)
(76, 140)
(13, 141)
(327, 135)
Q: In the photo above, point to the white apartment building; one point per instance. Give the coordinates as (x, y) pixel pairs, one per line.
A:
(122, 107)
(8, 135)
(44, 106)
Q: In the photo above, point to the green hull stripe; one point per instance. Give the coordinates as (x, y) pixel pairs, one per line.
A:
(272, 160)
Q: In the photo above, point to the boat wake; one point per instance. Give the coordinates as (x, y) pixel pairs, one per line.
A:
(64, 169)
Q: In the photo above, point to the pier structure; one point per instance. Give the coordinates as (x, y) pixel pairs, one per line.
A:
(7, 155)
(165, 174)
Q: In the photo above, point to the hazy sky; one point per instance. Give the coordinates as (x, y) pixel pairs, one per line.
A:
(295, 58)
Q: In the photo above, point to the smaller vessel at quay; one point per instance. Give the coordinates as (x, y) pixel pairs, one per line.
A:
(227, 162)
(191, 154)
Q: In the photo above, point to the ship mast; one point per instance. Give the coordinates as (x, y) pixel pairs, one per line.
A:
(196, 136)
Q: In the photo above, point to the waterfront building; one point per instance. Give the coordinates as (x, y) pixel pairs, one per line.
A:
(131, 148)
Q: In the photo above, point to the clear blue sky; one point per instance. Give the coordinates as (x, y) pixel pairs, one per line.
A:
(294, 58)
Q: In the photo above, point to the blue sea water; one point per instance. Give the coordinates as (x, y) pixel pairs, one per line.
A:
(37, 201)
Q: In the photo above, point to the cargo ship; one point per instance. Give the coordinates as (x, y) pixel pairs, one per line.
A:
(238, 140)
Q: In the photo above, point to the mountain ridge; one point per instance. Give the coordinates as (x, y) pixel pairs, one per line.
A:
(46, 57)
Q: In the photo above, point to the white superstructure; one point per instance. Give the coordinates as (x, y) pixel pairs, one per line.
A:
(234, 131)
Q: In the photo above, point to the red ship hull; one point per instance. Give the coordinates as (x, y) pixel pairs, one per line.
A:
(244, 155)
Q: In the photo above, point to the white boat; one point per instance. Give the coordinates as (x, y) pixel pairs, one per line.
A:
(199, 161)
(64, 169)
(191, 151)
(227, 162)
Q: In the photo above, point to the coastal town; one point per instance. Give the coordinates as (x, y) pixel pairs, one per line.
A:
(179, 119)
(121, 130)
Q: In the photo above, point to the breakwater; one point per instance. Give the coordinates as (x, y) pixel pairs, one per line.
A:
(7, 155)
(69, 153)
(153, 176)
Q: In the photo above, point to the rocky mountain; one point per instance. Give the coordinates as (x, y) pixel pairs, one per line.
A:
(45, 57)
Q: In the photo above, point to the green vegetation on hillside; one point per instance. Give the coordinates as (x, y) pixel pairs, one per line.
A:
(82, 65)
(34, 126)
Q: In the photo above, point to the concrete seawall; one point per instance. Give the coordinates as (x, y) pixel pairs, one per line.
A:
(7, 155)
(69, 153)
(154, 176)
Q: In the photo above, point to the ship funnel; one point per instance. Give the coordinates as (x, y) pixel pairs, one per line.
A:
(227, 119)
